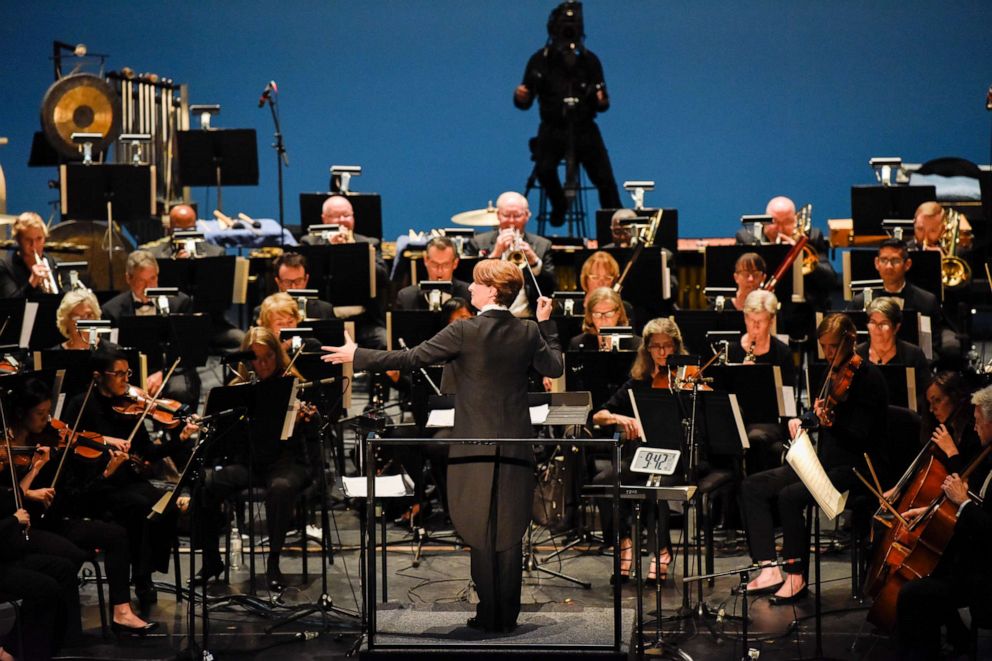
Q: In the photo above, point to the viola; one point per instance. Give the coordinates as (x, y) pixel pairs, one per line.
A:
(23, 455)
(167, 412)
(840, 384)
(661, 379)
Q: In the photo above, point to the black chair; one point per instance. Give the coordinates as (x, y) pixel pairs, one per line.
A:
(10, 617)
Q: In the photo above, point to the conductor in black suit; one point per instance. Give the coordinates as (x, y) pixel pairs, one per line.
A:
(490, 487)
(440, 260)
(511, 241)
(141, 273)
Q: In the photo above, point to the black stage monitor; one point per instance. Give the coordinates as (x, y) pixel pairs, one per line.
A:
(367, 206)
(870, 205)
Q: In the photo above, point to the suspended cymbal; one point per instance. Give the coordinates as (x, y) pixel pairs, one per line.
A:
(477, 217)
(7, 219)
(81, 103)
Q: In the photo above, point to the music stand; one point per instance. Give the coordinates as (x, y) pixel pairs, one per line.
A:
(218, 157)
(109, 192)
(78, 371)
(599, 372)
(719, 262)
(870, 205)
(367, 206)
(860, 265)
(759, 390)
(903, 389)
(208, 280)
(344, 273)
(668, 229)
(413, 326)
(695, 324)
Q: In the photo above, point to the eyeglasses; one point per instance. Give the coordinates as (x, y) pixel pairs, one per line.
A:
(120, 374)
(891, 261)
(757, 275)
(516, 215)
(293, 283)
(882, 325)
(604, 277)
(661, 347)
(604, 315)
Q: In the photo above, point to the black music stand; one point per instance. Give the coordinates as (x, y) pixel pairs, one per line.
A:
(218, 157)
(925, 272)
(719, 264)
(17, 322)
(78, 371)
(266, 406)
(344, 273)
(413, 326)
(870, 205)
(695, 324)
(758, 389)
(109, 192)
(208, 280)
(668, 229)
(599, 372)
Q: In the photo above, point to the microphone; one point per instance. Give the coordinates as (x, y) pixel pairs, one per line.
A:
(270, 87)
(220, 414)
(317, 382)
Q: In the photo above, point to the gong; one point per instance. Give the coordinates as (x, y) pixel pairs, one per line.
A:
(81, 103)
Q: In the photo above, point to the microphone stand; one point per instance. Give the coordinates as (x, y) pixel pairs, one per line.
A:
(282, 158)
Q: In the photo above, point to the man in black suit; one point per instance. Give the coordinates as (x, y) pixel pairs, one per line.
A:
(892, 263)
(490, 487)
(782, 229)
(440, 260)
(291, 273)
(511, 238)
(963, 577)
(141, 273)
(23, 272)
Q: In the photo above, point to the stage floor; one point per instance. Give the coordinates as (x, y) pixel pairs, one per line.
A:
(434, 598)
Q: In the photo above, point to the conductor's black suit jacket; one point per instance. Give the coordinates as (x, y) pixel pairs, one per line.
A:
(488, 358)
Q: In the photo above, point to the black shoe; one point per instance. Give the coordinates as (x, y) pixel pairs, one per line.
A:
(125, 630)
(277, 582)
(624, 578)
(475, 623)
(757, 592)
(212, 568)
(785, 601)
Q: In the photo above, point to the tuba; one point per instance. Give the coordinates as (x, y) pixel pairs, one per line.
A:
(954, 271)
(804, 222)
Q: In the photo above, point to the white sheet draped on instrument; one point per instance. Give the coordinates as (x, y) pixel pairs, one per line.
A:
(802, 457)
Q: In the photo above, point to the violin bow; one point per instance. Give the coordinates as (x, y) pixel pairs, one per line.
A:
(296, 355)
(153, 401)
(72, 437)
(881, 499)
(15, 487)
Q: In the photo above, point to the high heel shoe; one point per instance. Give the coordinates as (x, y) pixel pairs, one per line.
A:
(785, 601)
(277, 582)
(126, 630)
(626, 559)
(211, 569)
(654, 575)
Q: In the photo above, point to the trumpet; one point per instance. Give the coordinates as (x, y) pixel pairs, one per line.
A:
(48, 285)
(516, 254)
(804, 223)
(749, 356)
(954, 271)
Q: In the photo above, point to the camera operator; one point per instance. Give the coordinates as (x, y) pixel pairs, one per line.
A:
(567, 80)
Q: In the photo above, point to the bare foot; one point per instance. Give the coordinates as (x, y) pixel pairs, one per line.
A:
(128, 618)
(793, 584)
(766, 577)
(6, 656)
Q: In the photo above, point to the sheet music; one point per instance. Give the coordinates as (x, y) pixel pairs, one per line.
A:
(779, 391)
(386, 486)
(289, 422)
(789, 393)
(27, 326)
(538, 414)
(926, 334)
(666, 276)
(802, 457)
(739, 421)
(441, 418)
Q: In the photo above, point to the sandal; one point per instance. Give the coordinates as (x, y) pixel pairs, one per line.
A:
(626, 560)
(654, 573)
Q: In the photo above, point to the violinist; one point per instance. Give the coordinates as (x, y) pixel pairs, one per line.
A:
(113, 482)
(280, 467)
(661, 339)
(603, 309)
(962, 577)
(29, 424)
(759, 346)
(850, 416)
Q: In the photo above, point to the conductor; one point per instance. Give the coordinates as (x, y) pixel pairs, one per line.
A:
(490, 487)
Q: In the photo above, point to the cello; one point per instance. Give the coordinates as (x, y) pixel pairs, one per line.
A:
(911, 549)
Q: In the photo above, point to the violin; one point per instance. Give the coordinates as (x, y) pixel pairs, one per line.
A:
(166, 412)
(836, 387)
(89, 446)
(23, 455)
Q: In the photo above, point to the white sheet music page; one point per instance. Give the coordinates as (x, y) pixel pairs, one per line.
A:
(802, 457)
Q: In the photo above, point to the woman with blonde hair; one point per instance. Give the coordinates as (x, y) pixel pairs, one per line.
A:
(603, 309)
(77, 305)
(599, 270)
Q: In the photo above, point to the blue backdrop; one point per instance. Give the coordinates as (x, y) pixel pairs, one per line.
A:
(724, 103)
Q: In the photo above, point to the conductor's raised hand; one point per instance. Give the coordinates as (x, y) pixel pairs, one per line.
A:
(342, 354)
(544, 307)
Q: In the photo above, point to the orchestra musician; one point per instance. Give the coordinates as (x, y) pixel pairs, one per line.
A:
(929, 226)
(783, 229)
(884, 346)
(280, 467)
(141, 273)
(961, 577)
(603, 309)
(511, 239)
(599, 270)
(851, 422)
(892, 263)
(94, 489)
(29, 422)
(77, 305)
(440, 260)
(291, 273)
(759, 346)
(750, 271)
(23, 272)
(661, 339)
(182, 218)
(490, 487)
(618, 231)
